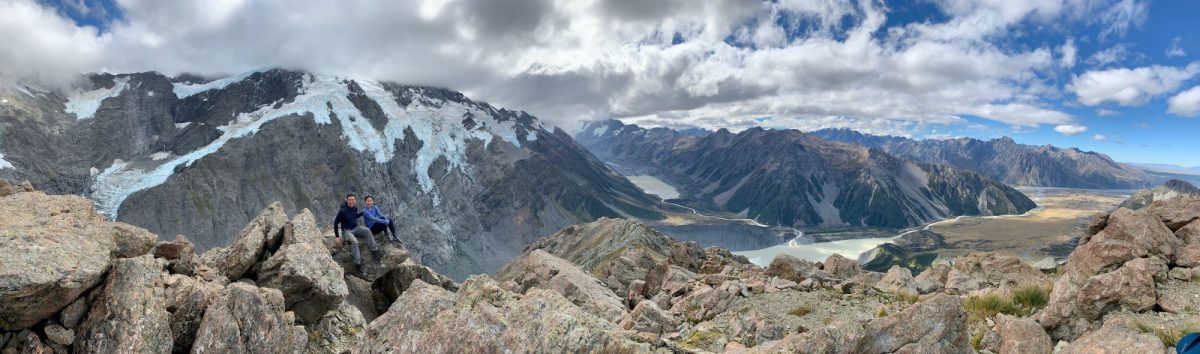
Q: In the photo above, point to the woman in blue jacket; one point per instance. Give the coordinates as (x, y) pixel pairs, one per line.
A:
(377, 222)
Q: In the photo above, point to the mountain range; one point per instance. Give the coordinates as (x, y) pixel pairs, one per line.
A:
(1170, 190)
(471, 184)
(1004, 160)
(791, 178)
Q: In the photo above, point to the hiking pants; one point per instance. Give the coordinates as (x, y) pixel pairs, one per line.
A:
(352, 236)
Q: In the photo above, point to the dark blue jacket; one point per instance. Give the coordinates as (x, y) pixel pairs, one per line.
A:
(346, 219)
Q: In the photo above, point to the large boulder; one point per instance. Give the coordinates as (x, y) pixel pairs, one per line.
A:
(937, 325)
(1021, 336)
(1076, 303)
(1189, 256)
(839, 337)
(648, 317)
(130, 313)
(248, 319)
(54, 249)
(303, 229)
(338, 331)
(539, 269)
(396, 281)
(311, 282)
(841, 267)
(180, 254)
(797, 270)
(485, 318)
(1175, 213)
(979, 271)
(264, 230)
(1113, 338)
(898, 279)
(187, 298)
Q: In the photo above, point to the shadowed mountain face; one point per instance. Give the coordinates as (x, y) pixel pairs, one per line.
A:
(1006, 161)
(787, 177)
(468, 184)
(1170, 190)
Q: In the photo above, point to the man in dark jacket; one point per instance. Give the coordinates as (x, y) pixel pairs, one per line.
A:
(346, 223)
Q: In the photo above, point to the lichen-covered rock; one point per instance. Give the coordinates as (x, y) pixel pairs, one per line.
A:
(240, 256)
(338, 331)
(841, 267)
(302, 229)
(837, 338)
(979, 271)
(936, 325)
(1114, 339)
(129, 315)
(1189, 256)
(187, 298)
(1076, 303)
(311, 282)
(396, 281)
(707, 302)
(1021, 336)
(54, 249)
(247, 319)
(897, 279)
(539, 269)
(485, 318)
(648, 317)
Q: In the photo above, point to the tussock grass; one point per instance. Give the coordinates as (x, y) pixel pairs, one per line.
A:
(1168, 335)
(1031, 297)
(980, 307)
(1021, 301)
(907, 297)
(801, 311)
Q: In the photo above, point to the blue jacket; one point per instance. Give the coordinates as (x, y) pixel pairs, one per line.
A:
(346, 219)
(373, 217)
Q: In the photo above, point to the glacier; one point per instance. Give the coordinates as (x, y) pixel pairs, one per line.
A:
(84, 104)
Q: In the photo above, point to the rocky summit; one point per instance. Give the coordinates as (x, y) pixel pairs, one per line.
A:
(76, 282)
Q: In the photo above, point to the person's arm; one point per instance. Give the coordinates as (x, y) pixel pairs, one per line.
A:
(337, 221)
(371, 216)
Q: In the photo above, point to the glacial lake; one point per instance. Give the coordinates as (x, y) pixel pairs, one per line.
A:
(654, 186)
(816, 252)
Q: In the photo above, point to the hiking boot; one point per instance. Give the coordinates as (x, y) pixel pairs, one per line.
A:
(358, 268)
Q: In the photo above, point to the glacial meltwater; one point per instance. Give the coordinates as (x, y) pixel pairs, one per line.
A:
(654, 186)
(815, 252)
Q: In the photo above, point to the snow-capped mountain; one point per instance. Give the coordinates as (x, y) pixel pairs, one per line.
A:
(468, 183)
(790, 178)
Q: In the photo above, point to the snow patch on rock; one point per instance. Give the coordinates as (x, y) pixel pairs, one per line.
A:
(5, 164)
(186, 90)
(85, 104)
(159, 156)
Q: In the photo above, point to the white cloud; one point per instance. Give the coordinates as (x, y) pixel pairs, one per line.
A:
(1068, 52)
(569, 60)
(1104, 112)
(1070, 129)
(1176, 50)
(1186, 103)
(1112, 55)
(1099, 137)
(1130, 87)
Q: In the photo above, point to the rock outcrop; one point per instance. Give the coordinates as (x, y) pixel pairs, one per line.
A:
(129, 313)
(248, 319)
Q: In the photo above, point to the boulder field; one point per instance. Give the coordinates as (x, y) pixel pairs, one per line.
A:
(73, 282)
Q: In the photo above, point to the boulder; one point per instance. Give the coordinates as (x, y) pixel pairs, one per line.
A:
(539, 269)
(484, 318)
(57, 334)
(180, 254)
(1021, 336)
(303, 229)
(837, 338)
(860, 283)
(1179, 297)
(840, 267)
(129, 314)
(797, 270)
(1189, 256)
(1142, 230)
(311, 282)
(936, 325)
(7, 189)
(338, 331)
(234, 261)
(1175, 213)
(1076, 302)
(396, 281)
(362, 297)
(1046, 265)
(897, 279)
(648, 317)
(248, 319)
(54, 249)
(1114, 339)
(73, 313)
(707, 302)
(979, 271)
(187, 298)
(1190, 234)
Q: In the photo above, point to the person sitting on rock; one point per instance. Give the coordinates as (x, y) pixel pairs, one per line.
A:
(377, 222)
(346, 222)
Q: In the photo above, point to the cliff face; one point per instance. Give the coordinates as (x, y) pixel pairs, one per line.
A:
(1171, 189)
(470, 184)
(1006, 161)
(786, 177)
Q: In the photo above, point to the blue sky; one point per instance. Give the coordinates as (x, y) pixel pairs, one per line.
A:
(1098, 74)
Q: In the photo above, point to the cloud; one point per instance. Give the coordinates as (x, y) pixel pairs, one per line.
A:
(1070, 129)
(1068, 52)
(1107, 139)
(1112, 55)
(1186, 103)
(1104, 112)
(712, 63)
(1176, 50)
(1130, 87)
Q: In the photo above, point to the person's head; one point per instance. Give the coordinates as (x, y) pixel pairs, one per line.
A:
(350, 199)
(370, 201)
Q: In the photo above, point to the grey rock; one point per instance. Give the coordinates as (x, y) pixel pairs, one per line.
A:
(1021, 336)
(59, 335)
(936, 325)
(243, 319)
(311, 282)
(1114, 339)
(539, 269)
(897, 279)
(338, 331)
(400, 278)
(187, 298)
(840, 267)
(129, 314)
(648, 317)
